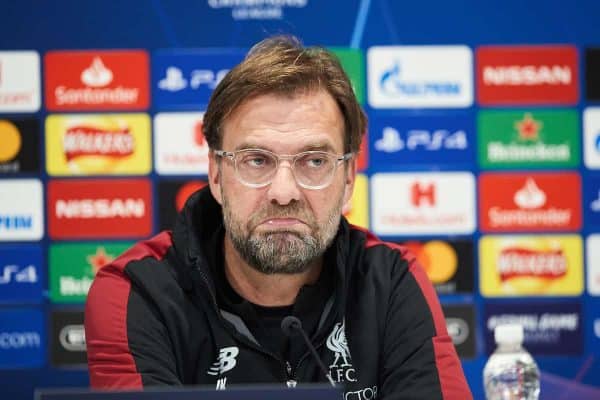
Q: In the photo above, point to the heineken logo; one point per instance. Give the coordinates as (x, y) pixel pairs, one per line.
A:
(540, 138)
(73, 267)
(528, 128)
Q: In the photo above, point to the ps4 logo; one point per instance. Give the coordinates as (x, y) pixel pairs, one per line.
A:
(21, 275)
(174, 80)
(429, 140)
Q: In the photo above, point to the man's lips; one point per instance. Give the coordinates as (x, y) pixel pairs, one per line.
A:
(282, 222)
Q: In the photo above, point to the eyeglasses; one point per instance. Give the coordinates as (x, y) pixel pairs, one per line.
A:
(312, 169)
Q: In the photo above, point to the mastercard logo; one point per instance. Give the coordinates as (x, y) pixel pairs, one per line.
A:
(10, 138)
(438, 258)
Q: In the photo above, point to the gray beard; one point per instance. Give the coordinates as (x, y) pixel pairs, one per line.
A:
(278, 252)
(281, 252)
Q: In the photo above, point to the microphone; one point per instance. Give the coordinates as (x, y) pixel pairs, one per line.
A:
(291, 324)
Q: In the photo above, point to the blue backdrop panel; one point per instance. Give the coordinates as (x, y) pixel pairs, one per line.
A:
(178, 32)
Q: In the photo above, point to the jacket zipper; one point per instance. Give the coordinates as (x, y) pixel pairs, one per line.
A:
(317, 347)
(288, 373)
(291, 381)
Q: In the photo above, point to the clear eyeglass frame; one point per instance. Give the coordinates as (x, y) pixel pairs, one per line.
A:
(335, 161)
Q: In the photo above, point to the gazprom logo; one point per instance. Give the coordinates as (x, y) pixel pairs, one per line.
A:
(16, 222)
(392, 83)
(420, 76)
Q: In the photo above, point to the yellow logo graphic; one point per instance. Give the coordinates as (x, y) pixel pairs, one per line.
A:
(356, 209)
(101, 144)
(531, 265)
(10, 141)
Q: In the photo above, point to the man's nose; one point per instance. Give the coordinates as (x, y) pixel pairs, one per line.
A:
(284, 188)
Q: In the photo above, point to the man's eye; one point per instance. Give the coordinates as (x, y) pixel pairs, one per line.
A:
(256, 161)
(316, 162)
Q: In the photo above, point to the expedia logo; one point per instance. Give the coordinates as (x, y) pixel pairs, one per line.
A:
(341, 369)
(72, 338)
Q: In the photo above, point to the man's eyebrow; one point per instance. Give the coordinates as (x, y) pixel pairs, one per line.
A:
(318, 146)
(322, 146)
(251, 145)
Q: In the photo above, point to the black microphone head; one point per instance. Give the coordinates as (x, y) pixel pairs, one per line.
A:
(290, 324)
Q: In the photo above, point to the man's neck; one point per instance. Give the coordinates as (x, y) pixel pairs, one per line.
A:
(262, 289)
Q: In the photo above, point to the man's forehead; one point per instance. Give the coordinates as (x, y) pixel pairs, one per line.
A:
(311, 119)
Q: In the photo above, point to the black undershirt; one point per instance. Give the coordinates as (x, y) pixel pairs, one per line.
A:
(265, 322)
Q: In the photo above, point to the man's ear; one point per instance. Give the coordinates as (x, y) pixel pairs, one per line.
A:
(214, 175)
(350, 178)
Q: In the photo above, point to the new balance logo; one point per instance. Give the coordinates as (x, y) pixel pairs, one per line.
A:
(225, 362)
(221, 384)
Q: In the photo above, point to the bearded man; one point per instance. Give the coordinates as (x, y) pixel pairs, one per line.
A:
(204, 303)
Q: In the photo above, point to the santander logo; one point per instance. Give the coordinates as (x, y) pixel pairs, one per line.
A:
(538, 201)
(97, 80)
(530, 196)
(96, 75)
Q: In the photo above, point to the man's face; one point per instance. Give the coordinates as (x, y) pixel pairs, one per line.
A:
(282, 227)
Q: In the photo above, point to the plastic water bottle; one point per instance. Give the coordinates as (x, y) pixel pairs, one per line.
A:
(511, 373)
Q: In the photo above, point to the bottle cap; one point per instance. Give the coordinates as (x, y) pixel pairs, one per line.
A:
(508, 334)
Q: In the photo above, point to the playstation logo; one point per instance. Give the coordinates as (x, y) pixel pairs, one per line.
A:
(595, 205)
(173, 80)
(390, 141)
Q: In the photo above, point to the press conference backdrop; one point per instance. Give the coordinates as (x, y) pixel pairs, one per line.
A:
(482, 156)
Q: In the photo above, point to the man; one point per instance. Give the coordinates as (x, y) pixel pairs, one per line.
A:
(204, 304)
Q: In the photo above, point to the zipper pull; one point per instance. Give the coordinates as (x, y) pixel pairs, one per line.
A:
(291, 383)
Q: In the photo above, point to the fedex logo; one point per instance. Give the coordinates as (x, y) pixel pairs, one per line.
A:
(186, 79)
(422, 140)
